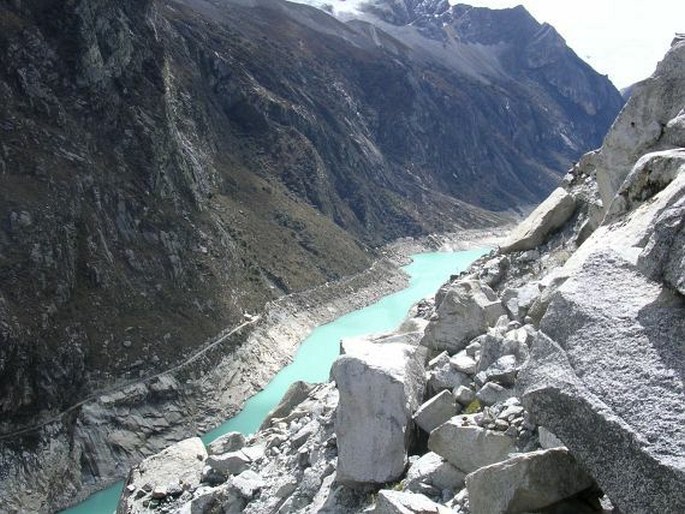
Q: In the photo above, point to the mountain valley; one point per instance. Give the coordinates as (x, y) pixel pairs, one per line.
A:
(169, 169)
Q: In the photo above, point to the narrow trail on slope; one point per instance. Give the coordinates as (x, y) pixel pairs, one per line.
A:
(93, 396)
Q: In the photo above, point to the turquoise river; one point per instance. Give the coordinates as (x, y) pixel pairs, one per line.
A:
(427, 271)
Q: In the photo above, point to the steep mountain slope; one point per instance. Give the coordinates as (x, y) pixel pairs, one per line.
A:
(167, 165)
(190, 160)
(550, 377)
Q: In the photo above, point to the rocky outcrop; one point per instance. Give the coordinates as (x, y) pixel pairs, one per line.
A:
(610, 355)
(465, 310)
(380, 385)
(169, 473)
(545, 219)
(621, 336)
(643, 125)
(526, 483)
(306, 457)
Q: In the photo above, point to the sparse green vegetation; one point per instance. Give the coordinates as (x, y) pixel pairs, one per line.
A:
(473, 407)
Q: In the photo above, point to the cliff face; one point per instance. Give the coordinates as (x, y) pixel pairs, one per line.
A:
(553, 377)
(166, 166)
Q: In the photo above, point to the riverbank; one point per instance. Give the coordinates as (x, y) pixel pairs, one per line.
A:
(94, 445)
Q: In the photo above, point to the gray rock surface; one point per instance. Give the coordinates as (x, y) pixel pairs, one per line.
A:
(503, 371)
(467, 309)
(464, 395)
(519, 300)
(226, 443)
(445, 377)
(651, 174)
(492, 393)
(295, 394)
(432, 470)
(543, 221)
(436, 411)
(494, 347)
(380, 386)
(178, 467)
(397, 502)
(548, 439)
(230, 463)
(464, 363)
(225, 499)
(674, 132)
(526, 483)
(638, 474)
(469, 447)
(663, 257)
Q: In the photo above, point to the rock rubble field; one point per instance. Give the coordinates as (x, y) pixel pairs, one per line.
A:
(547, 378)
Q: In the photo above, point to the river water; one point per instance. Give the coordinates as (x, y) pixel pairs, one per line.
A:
(312, 362)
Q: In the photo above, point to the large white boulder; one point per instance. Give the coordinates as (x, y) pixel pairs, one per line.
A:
(380, 387)
(526, 483)
(609, 382)
(542, 222)
(467, 309)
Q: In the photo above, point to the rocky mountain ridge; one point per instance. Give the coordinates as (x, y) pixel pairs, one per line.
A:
(547, 378)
